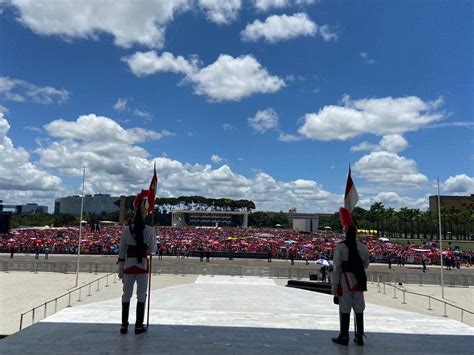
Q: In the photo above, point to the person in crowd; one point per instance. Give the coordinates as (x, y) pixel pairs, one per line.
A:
(349, 282)
(323, 272)
(46, 252)
(136, 242)
(12, 252)
(269, 255)
(423, 263)
(447, 261)
(208, 255)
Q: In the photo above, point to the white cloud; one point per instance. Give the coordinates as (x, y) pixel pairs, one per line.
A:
(365, 57)
(114, 164)
(142, 114)
(377, 116)
(227, 127)
(265, 5)
(279, 28)
(392, 143)
(232, 79)
(20, 91)
(121, 104)
(466, 124)
(216, 159)
(17, 172)
(3, 109)
(264, 120)
(363, 146)
(147, 63)
(100, 129)
(389, 168)
(221, 12)
(327, 33)
(286, 137)
(459, 185)
(129, 22)
(227, 79)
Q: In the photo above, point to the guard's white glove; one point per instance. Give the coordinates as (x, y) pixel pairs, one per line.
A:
(120, 269)
(334, 290)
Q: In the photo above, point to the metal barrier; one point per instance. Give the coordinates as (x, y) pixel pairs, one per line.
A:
(69, 294)
(422, 278)
(429, 299)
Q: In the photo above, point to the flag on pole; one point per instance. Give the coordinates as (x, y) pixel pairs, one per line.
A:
(351, 196)
(147, 196)
(152, 191)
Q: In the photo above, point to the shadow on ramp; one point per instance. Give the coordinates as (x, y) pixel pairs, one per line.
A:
(94, 338)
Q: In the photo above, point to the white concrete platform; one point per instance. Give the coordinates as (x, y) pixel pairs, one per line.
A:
(232, 315)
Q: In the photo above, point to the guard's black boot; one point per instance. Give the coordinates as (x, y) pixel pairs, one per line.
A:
(343, 338)
(359, 335)
(139, 327)
(125, 311)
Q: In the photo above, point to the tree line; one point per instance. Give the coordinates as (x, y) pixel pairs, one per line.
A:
(408, 222)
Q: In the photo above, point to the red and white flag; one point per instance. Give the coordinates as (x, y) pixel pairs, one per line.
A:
(152, 191)
(351, 196)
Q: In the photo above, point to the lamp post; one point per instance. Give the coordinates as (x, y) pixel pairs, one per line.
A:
(80, 226)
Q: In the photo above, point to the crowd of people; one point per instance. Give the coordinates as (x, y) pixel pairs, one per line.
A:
(279, 243)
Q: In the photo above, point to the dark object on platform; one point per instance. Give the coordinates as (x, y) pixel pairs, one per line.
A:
(313, 277)
(335, 300)
(321, 287)
(5, 223)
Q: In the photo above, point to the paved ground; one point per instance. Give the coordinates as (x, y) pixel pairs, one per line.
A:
(233, 315)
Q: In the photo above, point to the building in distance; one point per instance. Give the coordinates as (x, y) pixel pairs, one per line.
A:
(96, 204)
(28, 208)
(456, 204)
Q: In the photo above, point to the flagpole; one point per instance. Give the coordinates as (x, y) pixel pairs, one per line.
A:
(151, 256)
(440, 244)
(80, 226)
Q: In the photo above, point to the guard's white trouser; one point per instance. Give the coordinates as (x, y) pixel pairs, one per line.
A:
(129, 281)
(354, 300)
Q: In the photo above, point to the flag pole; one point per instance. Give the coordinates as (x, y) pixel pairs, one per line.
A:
(440, 244)
(149, 269)
(80, 226)
(151, 256)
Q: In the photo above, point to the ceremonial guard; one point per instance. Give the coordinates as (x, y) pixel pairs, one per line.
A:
(349, 281)
(136, 242)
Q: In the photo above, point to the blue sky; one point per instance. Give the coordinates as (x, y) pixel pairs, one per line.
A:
(268, 100)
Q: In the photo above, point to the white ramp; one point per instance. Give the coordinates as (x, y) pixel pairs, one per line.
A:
(223, 314)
